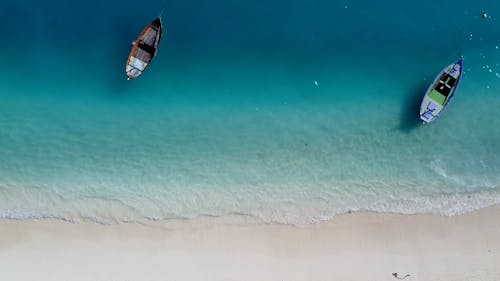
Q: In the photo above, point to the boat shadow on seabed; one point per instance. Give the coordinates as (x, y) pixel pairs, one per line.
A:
(409, 119)
(116, 82)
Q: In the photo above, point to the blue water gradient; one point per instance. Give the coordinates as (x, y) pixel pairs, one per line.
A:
(279, 111)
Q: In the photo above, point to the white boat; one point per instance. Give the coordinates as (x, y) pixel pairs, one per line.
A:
(441, 91)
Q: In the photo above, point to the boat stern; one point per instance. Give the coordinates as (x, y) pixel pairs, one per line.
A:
(426, 118)
(429, 110)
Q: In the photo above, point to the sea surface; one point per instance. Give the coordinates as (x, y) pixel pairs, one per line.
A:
(282, 111)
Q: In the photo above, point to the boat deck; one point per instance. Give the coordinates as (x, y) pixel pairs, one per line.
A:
(437, 97)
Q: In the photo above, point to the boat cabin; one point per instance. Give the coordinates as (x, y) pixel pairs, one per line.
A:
(445, 84)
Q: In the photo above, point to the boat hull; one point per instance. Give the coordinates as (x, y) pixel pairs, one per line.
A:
(440, 92)
(144, 49)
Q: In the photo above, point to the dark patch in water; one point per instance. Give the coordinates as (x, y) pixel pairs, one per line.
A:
(120, 40)
(409, 119)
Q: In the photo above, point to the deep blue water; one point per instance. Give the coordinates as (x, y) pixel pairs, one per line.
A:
(228, 121)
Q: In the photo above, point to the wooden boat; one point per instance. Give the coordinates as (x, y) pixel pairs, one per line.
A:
(144, 49)
(441, 91)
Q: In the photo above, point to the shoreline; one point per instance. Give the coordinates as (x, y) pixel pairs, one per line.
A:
(231, 219)
(356, 246)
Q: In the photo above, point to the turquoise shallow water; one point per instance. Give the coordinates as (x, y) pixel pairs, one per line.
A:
(228, 122)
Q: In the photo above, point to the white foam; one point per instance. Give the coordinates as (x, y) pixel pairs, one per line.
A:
(307, 210)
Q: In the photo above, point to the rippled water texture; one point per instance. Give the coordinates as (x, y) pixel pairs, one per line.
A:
(282, 111)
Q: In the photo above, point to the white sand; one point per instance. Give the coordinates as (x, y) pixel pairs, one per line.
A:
(350, 247)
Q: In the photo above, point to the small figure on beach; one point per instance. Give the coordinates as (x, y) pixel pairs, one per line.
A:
(395, 274)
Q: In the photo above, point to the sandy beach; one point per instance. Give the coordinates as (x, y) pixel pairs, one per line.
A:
(359, 246)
